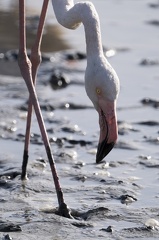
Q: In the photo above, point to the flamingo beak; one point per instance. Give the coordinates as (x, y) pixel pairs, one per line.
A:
(108, 129)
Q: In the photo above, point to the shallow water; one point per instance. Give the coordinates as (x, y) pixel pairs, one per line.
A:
(93, 192)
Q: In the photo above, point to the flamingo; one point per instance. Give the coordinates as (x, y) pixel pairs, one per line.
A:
(101, 80)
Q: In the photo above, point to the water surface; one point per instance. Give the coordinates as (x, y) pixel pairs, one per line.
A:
(94, 190)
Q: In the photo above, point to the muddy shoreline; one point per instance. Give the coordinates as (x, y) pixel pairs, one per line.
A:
(108, 203)
(117, 199)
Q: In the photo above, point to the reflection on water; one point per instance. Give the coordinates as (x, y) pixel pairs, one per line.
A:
(9, 31)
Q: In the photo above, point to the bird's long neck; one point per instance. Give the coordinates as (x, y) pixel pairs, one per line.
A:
(70, 15)
(92, 33)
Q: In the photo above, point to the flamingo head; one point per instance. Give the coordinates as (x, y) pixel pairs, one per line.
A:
(102, 87)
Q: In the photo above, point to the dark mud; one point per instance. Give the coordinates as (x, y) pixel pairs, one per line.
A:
(103, 204)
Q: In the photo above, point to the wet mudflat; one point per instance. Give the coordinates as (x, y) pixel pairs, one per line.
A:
(117, 199)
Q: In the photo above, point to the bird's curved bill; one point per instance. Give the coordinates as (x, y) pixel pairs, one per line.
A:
(108, 129)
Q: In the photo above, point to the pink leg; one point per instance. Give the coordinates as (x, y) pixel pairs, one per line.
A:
(26, 71)
(35, 61)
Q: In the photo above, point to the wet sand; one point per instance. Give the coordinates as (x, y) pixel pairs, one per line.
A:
(112, 200)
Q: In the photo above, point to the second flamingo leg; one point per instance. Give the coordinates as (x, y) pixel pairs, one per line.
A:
(35, 61)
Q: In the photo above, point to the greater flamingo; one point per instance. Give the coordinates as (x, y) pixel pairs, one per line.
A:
(101, 81)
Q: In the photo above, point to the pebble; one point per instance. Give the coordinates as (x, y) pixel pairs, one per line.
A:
(108, 229)
(154, 22)
(75, 56)
(150, 102)
(7, 237)
(149, 123)
(152, 223)
(58, 80)
(127, 199)
(154, 5)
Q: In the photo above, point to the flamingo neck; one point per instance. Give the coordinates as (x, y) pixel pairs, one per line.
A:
(92, 33)
(71, 15)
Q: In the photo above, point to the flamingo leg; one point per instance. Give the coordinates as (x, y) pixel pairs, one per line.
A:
(35, 61)
(25, 66)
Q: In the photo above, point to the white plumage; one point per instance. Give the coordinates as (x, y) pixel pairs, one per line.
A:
(101, 80)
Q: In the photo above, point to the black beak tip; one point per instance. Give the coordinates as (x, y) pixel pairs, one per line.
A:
(103, 150)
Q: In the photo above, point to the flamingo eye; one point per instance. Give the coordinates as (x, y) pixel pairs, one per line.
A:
(98, 91)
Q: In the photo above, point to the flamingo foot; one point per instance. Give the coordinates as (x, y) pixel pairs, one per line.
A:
(64, 211)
